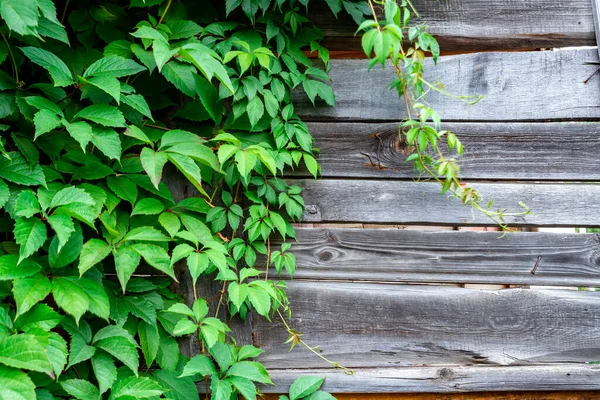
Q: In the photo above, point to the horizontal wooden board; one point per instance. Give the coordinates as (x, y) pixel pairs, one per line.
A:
(452, 379)
(530, 86)
(468, 25)
(570, 395)
(392, 255)
(523, 151)
(363, 325)
(386, 201)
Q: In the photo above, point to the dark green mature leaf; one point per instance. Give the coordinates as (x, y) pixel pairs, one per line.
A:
(58, 70)
(24, 351)
(80, 131)
(189, 169)
(155, 256)
(149, 341)
(18, 170)
(58, 258)
(107, 83)
(138, 103)
(15, 384)
(176, 387)
(181, 76)
(123, 187)
(21, 16)
(45, 121)
(63, 226)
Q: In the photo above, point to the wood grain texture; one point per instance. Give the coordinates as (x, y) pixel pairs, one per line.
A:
(392, 255)
(467, 25)
(571, 395)
(596, 17)
(460, 380)
(530, 86)
(380, 326)
(385, 201)
(523, 151)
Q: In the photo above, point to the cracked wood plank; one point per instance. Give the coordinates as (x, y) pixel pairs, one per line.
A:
(473, 25)
(517, 151)
(392, 255)
(530, 86)
(398, 202)
(363, 325)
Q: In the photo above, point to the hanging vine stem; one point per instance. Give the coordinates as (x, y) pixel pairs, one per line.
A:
(12, 59)
(382, 42)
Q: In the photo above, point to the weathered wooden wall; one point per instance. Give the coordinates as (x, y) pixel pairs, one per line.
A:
(364, 296)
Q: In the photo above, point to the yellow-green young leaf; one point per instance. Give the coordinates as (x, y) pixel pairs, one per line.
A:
(148, 206)
(30, 234)
(244, 386)
(170, 222)
(199, 365)
(57, 352)
(238, 293)
(126, 261)
(30, 291)
(27, 204)
(146, 233)
(40, 316)
(16, 385)
(156, 256)
(21, 16)
(317, 88)
(250, 370)
(245, 161)
(135, 132)
(58, 70)
(311, 165)
(304, 386)
(80, 131)
(80, 389)
(105, 370)
(92, 252)
(226, 151)
(24, 351)
(260, 300)
(106, 83)
(113, 66)
(185, 327)
(45, 121)
(153, 163)
(189, 169)
(197, 263)
(63, 227)
(220, 389)
(139, 388)
(122, 349)
(107, 141)
(70, 297)
(102, 114)
(256, 110)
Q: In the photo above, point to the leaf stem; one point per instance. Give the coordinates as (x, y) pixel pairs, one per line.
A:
(165, 12)
(12, 58)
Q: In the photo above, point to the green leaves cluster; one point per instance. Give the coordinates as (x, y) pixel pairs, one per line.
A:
(106, 110)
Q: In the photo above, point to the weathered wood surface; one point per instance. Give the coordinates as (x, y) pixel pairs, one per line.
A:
(386, 201)
(517, 151)
(529, 86)
(571, 395)
(392, 255)
(451, 379)
(481, 25)
(596, 17)
(379, 325)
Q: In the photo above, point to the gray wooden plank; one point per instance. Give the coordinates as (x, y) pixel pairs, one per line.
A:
(392, 255)
(524, 151)
(529, 86)
(596, 17)
(379, 325)
(386, 201)
(473, 25)
(447, 379)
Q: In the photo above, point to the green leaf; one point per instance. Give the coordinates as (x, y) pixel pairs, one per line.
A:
(21, 16)
(209, 97)
(199, 364)
(98, 303)
(9, 269)
(107, 141)
(148, 206)
(153, 163)
(122, 349)
(24, 351)
(149, 341)
(70, 195)
(250, 370)
(123, 187)
(70, 297)
(304, 386)
(63, 227)
(105, 370)
(102, 114)
(15, 384)
(135, 132)
(221, 389)
(18, 170)
(30, 234)
(238, 293)
(256, 110)
(260, 300)
(317, 88)
(138, 103)
(155, 256)
(40, 316)
(45, 121)
(189, 169)
(223, 355)
(79, 350)
(185, 327)
(59, 72)
(146, 233)
(170, 222)
(108, 84)
(53, 30)
(249, 351)
(92, 252)
(57, 352)
(126, 261)
(48, 10)
(245, 386)
(138, 388)
(30, 291)
(176, 387)
(113, 66)
(80, 389)
(181, 76)
(80, 131)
